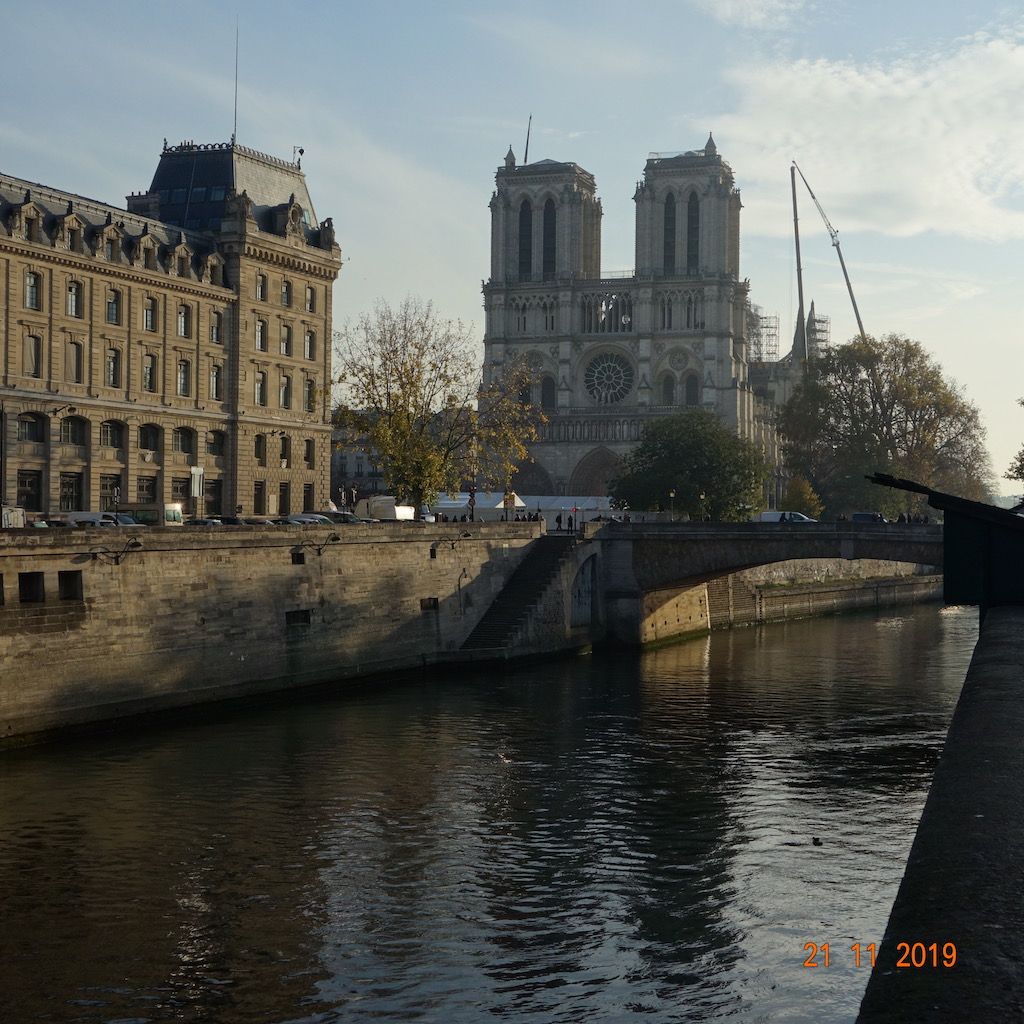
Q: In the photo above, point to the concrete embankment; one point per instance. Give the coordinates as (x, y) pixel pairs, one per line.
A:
(952, 950)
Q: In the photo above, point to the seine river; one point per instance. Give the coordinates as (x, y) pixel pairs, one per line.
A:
(627, 838)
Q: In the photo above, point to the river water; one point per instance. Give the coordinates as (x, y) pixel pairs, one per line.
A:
(603, 839)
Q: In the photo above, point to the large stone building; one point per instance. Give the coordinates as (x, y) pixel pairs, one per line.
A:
(178, 349)
(614, 351)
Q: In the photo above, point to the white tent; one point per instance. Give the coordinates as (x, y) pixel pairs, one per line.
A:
(489, 508)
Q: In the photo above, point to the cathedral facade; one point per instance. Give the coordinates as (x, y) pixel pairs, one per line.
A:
(614, 352)
(177, 349)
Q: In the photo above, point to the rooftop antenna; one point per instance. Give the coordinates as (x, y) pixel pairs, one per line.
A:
(234, 127)
(526, 155)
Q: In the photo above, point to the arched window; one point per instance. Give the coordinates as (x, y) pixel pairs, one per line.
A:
(112, 371)
(33, 291)
(184, 321)
(73, 430)
(259, 447)
(692, 234)
(184, 377)
(149, 376)
(149, 437)
(113, 306)
(73, 362)
(30, 427)
(548, 247)
(669, 263)
(668, 390)
(215, 441)
(666, 314)
(112, 434)
(183, 440)
(547, 393)
(692, 389)
(33, 356)
(76, 305)
(525, 241)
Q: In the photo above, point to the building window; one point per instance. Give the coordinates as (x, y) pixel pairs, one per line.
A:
(30, 427)
(31, 586)
(110, 248)
(215, 328)
(310, 299)
(72, 431)
(216, 376)
(33, 356)
(284, 501)
(692, 388)
(260, 388)
(182, 440)
(74, 362)
(261, 335)
(525, 241)
(286, 293)
(149, 373)
(184, 377)
(548, 247)
(259, 448)
(182, 266)
(286, 391)
(74, 241)
(180, 486)
(111, 434)
(70, 492)
(75, 299)
(286, 339)
(184, 321)
(149, 314)
(145, 489)
(286, 451)
(668, 390)
(110, 492)
(30, 489)
(113, 306)
(69, 584)
(112, 375)
(692, 234)
(215, 441)
(33, 291)
(149, 437)
(310, 452)
(309, 395)
(309, 345)
(149, 258)
(669, 236)
(259, 497)
(548, 398)
(261, 287)
(31, 229)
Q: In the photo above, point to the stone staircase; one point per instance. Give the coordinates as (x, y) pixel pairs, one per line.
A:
(512, 607)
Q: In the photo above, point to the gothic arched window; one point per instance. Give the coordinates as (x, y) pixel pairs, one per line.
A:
(548, 249)
(668, 390)
(669, 263)
(525, 241)
(692, 234)
(692, 389)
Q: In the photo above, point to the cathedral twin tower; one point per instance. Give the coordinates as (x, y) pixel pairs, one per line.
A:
(613, 352)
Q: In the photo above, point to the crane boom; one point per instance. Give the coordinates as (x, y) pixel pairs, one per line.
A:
(839, 252)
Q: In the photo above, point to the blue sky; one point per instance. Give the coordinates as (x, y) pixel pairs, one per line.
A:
(904, 115)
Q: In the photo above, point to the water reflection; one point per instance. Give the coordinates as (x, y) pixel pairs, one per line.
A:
(592, 840)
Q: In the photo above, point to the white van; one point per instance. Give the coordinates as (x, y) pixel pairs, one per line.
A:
(154, 513)
(781, 516)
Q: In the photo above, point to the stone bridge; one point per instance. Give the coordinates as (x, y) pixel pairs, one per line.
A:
(636, 561)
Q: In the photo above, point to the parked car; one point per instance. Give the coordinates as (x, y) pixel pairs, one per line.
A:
(338, 517)
(304, 519)
(92, 519)
(202, 521)
(782, 516)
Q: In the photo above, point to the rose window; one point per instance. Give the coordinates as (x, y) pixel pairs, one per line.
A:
(608, 378)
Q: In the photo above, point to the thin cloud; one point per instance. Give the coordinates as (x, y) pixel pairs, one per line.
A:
(924, 144)
(752, 14)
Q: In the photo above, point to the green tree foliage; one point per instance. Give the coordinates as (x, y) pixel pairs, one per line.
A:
(800, 497)
(411, 395)
(882, 406)
(1016, 470)
(713, 472)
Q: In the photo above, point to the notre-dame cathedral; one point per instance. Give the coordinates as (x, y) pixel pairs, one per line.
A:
(613, 351)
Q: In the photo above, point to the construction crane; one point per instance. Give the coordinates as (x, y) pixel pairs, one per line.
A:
(839, 252)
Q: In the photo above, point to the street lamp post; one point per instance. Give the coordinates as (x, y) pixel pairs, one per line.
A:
(672, 506)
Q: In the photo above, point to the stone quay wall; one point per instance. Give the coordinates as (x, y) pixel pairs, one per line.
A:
(94, 628)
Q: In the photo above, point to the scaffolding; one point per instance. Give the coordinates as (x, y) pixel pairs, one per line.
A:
(764, 340)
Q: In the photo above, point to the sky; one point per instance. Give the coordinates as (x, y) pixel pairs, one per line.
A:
(904, 116)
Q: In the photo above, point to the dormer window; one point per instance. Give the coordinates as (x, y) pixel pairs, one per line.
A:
(149, 258)
(75, 239)
(182, 266)
(31, 229)
(110, 248)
